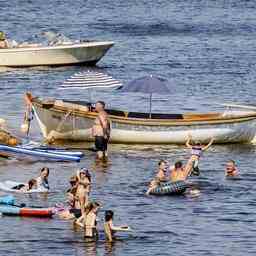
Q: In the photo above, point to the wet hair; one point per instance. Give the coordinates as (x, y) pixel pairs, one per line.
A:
(161, 161)
(31, 183)
(45, 169)
(102, 103)
(73, 180)
(109, 215)
(232, 161)
(178, 165)
(90, 206)
(86, 172)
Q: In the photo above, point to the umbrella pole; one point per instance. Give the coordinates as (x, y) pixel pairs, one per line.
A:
(150, 105)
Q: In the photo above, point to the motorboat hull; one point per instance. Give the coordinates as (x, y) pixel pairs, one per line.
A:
(86, 53)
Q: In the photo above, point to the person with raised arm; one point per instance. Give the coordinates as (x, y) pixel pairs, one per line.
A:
(197, 150)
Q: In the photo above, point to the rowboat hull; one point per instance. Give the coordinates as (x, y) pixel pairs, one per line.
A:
(85, 53)
(65, 121)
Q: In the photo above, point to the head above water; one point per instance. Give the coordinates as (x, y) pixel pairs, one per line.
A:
(31, 183)
(178, 165)
(230, 164)
(109, 215)
(85, 173)
(92, 206)
(100, 106)
(162, 164)
(73, 180)
(45, 172)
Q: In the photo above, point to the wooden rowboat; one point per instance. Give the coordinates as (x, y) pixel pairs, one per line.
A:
(70, 120)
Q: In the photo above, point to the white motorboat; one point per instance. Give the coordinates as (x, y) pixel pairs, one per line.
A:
(88, 53)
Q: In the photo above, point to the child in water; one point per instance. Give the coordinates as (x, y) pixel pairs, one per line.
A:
(109, 228)
(196, 152)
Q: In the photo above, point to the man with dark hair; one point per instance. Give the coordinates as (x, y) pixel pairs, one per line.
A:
(179, 172)
(101, 130)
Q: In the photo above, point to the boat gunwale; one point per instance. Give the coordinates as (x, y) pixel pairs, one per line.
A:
(151, 122)
(58, 47)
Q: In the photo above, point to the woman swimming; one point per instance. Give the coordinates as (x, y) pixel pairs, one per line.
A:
(109, 228)
(196, 152)
(32, 184)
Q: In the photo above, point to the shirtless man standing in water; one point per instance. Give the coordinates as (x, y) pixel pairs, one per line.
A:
(101, 130)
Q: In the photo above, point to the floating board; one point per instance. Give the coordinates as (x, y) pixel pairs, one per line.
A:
(42, 148)
(8, 187)
(9, 199)
(42, 154)
(170, 188)
(12, 210)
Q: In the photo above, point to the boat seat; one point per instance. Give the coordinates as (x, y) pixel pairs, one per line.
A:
(154, 115)
(115, 112)
(166, 116)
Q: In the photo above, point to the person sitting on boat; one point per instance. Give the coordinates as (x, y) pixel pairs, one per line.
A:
(231, 169)
(101, 130)
(196, 152)
(3, 41)
(109, 228)
(179, 172)
(26, 187)
(42, 180)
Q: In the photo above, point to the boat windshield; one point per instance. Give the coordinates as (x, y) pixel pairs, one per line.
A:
(53, 38)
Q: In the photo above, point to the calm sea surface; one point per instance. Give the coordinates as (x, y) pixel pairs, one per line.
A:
(207, 51)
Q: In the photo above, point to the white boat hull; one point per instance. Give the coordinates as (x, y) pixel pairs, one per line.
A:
(84, 53)
(78, 128)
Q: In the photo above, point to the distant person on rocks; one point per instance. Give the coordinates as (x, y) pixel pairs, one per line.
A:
(101, 130)
(3, 41)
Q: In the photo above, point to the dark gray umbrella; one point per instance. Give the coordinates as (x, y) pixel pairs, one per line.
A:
(147, 85)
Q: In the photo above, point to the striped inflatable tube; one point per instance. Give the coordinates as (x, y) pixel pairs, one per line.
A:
(170, 188)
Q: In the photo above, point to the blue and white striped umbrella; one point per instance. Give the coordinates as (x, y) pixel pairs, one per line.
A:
(90, 80)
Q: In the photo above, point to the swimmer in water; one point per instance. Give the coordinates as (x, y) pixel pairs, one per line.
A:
(196, 153)
(88, 220)
(109, 227)
(83, 187)
(26, 187)
(179, 172)
(231, 169)
(42, 180)
(160, 176)
(161, 172)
